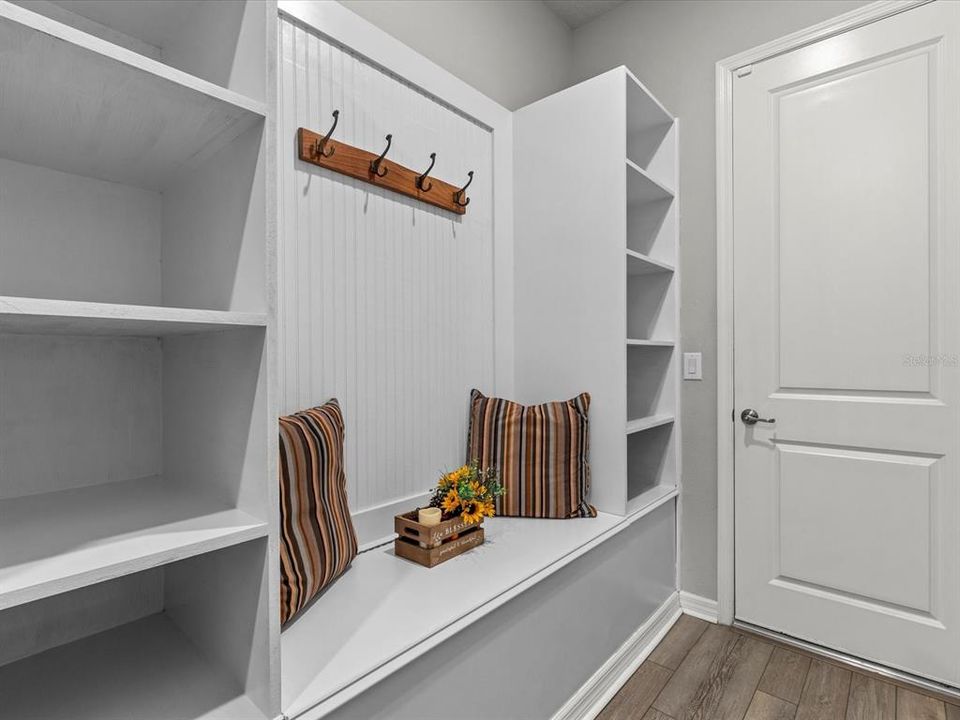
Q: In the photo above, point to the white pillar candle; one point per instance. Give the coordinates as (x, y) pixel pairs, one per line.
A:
(429, 516)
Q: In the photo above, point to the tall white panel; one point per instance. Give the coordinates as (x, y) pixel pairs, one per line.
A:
(385, 303)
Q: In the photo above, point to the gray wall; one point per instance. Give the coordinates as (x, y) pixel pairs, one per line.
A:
(514, 51)
(673, 47)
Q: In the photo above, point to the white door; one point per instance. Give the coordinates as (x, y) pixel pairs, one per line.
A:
(847, 316)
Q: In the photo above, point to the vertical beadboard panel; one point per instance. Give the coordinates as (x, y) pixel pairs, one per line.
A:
(385, 303)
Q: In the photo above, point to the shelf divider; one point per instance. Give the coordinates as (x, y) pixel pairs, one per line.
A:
(61, 541)
(650, 421)
(642, 188)
(640, 264)
(24, 315)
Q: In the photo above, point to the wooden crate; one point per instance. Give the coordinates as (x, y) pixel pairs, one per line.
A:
(411, 550)
(429, 536)
(431, 545)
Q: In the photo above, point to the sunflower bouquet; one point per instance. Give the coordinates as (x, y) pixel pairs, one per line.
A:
(467, 492)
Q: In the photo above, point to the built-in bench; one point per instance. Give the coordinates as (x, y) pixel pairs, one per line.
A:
(386, 612)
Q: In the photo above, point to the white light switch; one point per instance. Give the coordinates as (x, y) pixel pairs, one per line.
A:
(692, 366)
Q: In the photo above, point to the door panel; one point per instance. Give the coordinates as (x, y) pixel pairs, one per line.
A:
(847, 311)
(861, 137)
(885, 554)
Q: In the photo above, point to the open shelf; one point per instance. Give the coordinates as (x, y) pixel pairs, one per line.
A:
(640, 264)
(651, 133)
(644, 111)
(67, 317)
(59, 541)
(385, 611)
(170, 642)
(651, 380)
(650, 497)
(651, 306)
(651, 463)
(649, 343)
(144, 669)
(82, 105)
(648, 422)
(642, 188)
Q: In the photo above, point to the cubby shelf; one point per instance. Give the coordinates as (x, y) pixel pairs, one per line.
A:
(144, 669)
(644, 112)
(643, 189)
(56, 542)
(648, 422)
(137, 427)
(68, 317)
(76, 103)
(640, 264)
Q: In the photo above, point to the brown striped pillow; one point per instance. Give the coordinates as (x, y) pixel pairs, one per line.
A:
(317, 539)
(540, 451)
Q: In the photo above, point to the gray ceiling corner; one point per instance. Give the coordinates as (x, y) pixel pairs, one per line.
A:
(579, 12)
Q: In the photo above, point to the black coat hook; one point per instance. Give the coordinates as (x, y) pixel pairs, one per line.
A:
(320, 148)
(375, 165)
(458, 195)
(422, 178)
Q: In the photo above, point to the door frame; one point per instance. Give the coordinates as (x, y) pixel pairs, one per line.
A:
(725, 69)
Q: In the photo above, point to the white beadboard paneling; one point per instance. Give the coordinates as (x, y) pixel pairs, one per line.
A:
(385, 303)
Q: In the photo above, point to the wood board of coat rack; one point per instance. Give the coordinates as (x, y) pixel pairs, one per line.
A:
(354, 162)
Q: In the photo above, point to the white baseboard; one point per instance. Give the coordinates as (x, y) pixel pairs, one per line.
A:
(596, 692)
(698, 606)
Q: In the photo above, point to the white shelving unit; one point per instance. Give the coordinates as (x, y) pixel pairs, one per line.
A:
(597, 280)
(138, 560)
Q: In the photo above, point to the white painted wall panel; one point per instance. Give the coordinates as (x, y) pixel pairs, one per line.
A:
(385, 303)
(78, 411)
(76, 238)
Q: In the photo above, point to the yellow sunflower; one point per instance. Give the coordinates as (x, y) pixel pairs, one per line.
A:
(486, 508)
(471, 512)
(450, 502)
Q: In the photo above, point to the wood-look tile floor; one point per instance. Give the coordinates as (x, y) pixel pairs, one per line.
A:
(709, 672)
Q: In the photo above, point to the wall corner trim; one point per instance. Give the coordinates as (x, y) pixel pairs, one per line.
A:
(699, 606)
(587, 702)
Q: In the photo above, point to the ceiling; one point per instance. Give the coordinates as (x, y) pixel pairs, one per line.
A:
(579, 12)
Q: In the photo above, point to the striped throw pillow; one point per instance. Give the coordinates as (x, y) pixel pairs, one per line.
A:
(317, 539)
(540, 451)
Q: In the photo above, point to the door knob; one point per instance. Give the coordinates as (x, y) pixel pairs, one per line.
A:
(752, 417)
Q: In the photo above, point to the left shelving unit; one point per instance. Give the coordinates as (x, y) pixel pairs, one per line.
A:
(137, 433)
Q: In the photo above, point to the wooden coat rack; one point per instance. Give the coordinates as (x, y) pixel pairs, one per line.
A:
(325, 152)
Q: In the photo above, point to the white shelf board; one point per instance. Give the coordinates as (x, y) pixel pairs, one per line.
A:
(650, 497)
(641, 188)
(73, 102)
(631, 342)
(67, 317)
(640, 264)
(644, 111)
(650, 421)
(60, 541)
(385, 611)
(145, 669)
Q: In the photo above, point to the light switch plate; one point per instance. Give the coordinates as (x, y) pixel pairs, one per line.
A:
(692, 366)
